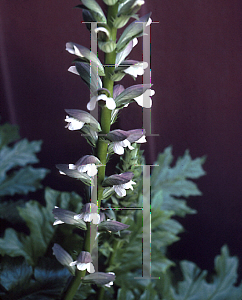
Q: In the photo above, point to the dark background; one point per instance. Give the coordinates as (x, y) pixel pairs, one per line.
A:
(196, 73)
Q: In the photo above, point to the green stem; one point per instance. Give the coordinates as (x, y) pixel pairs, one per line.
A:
(105, 112)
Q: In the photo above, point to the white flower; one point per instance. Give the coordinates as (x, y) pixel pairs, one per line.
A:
(84, 262)
(120, 189)
(83, 266)
(137, 69)
(110, 103)
(118, 147)
(73, 124)
(141, 140)
(89, 214)
(142, 102)
(67, 216)
(90, 169)
(111, 282)
(89, 217)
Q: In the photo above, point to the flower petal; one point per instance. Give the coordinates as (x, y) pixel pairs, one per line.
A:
(141, 140)
(128, 185)
(140, 99)
(95, 218)
(72, 167)
(110, 103)
(81, 266)
(92, 103)
(117, 148)
(119, 190)
(91, 170)
(137, 69)
(149, 22)
(73, 70)
(57, 222)
(73, 124)
(90, 268)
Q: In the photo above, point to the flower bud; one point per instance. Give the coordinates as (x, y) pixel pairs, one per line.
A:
(117, 76)
(118, 179)
(89, 213)
(100, 278)
(80, 117)
(111, 225)
(120, 21)
(84, 257)
(117, 135)
(84, 262)
(107, 47)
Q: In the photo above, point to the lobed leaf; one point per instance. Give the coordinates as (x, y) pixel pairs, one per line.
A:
(22, 181)
(39, 220)
(194, 285)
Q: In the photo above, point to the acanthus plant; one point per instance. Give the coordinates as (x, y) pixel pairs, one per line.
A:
(111, 98)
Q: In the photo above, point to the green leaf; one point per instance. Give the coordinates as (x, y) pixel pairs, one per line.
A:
(169, 183)
(9, 211)
(21, 281)
(124, 293)
(14, 244)
(21, 154)
(178, 206)
(39, 220)
(8, 134)
(96, 10)
(195, 286)
(83, 292)
(149, 293)
(135, 29)
(175, 178)
(22, 181)
(15, 273)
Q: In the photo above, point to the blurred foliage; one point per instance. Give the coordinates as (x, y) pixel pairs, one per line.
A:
(30, 271)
